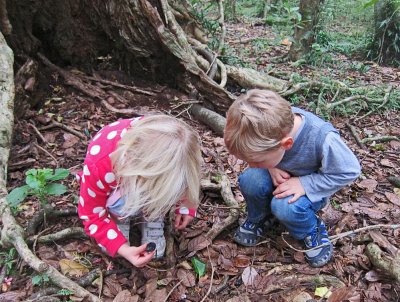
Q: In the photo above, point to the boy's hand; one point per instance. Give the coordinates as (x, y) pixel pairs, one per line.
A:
(278, 176)
(292, 186)
(182, 220)
(136, 255)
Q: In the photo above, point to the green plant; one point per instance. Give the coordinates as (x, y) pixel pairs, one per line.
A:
(39, 183)
(8, 259)
(40, 279)
(65, 292)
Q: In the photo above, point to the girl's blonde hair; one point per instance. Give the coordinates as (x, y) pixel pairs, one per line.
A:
(157, 163)
(257, 122)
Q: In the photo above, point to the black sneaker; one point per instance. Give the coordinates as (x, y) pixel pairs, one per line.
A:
(248, 233)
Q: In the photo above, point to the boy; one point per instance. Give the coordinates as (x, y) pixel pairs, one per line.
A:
(296, 161)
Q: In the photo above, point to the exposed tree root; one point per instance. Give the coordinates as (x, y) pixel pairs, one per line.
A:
(12, 234)
(388, 265)
(64, 127)
(215, 121)
(74, 232)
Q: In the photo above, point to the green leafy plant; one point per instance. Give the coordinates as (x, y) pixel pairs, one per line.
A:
(65, 292)
(8, 259)
(40, 183)
(40, 279)
(199, 267)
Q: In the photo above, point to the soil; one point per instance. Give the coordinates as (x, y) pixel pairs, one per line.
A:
(282, 271)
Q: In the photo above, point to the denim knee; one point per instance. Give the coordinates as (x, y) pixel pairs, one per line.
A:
(288, 212)
(255, 183)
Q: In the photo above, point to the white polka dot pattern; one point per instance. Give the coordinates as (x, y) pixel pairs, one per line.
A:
(112, 234)
(82, 201)
(112, 134)
(123, 132)
(92, 229)
(91, 193)
(95, 150)
(99, 184)
(84, 218)
(109, 177)
(86, 170)
(97, 136)
(102, 213)
(114, 124)
(97, 210)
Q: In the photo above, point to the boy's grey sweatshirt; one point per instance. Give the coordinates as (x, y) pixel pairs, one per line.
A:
(319, 158)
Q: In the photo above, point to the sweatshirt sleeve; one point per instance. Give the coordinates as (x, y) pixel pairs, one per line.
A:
(97, 182)
(339, 167)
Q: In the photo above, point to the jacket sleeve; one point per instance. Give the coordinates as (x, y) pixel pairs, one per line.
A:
(97, 182)
(339, 167)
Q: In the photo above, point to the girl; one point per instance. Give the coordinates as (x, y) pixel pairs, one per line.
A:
(139, 167)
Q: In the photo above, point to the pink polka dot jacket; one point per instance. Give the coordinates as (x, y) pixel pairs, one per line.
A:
(98, 181)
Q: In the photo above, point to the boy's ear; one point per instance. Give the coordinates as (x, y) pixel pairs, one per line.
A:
(287, 142)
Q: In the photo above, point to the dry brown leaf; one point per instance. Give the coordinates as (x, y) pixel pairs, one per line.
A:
(241, 261)
(393, 198)
(70, 140)
(382, 241)
(72, 268)
(241, 298)
(373, 213)
(368, 184)
(340, 294)
(187, 277)
(198, 243)
(387, 163)
(111, 286)
(157, 295)
(125, 296)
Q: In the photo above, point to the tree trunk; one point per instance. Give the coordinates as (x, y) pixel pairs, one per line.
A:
(304, 33)
(386, 45)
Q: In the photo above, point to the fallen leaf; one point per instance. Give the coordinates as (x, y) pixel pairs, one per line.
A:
(340, 294)
(249, 275)
(72, 268)
(375, 214)
(187, 277)
(241, 298)
(368, 184)
(302, 297)
(70, 140)
(125, 296)
(393, 198)
(387, 163)
(323, 292)
(198, 243)
(241, 261)
(372, 276)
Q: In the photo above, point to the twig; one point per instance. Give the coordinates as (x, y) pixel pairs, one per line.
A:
(131, 112)
(385, 100)
(355, 135)
(344, 234)
(73, 232)
(380, 139)
(115, 84)
(21, 164)
(172, 289)
(48, 153)
(346, 100)
(211, 278)
(38, 133)
(64, 127)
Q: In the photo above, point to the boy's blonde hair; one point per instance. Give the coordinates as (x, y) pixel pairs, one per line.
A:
(157, 162)
(257, 122)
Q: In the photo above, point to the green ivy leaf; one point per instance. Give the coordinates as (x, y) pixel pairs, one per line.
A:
(36, 280)
(58, 174)
(370, 3)
(55, 189)
(17, 195)
(199, 267)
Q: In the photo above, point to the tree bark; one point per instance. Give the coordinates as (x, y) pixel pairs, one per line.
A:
(304, 33)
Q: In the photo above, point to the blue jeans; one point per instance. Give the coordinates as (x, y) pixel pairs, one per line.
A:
(298, 217)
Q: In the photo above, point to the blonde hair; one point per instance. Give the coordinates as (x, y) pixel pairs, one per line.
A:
(256, 122)
(157, 162)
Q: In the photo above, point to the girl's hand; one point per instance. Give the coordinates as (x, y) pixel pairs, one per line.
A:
(292, 186)
(182, 220)
(278, 176)
(136, 255)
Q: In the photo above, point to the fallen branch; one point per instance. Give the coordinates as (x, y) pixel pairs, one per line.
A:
(380, 139)
(346, 100)
(230, 201)
(215, 121)
(47, 152)
(385, 100)
(355, 135)
(73, 232)
(64, 127)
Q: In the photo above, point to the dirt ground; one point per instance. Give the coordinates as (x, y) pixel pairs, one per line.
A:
(282, 273)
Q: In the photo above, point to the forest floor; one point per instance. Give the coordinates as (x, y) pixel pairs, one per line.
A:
(282, 273)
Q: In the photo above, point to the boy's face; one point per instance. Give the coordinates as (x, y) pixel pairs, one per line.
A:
(270, 159)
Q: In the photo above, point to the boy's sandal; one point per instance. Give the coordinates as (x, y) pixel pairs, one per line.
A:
(325, 254)
(248, 233)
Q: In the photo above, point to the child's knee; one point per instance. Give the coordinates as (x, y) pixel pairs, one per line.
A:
(255, 181)
(285, 211)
